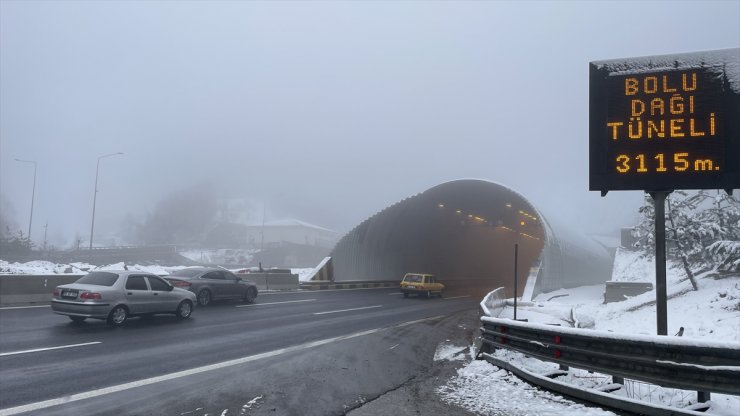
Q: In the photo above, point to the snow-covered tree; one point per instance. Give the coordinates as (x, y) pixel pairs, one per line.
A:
(14, 245)
(702, 230)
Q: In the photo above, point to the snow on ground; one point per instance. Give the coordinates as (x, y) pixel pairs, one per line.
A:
(712, 313)
(39, 267)
(46, 268)
(723, 405)
(303, 274)
(220, 256)
(632, 266)
(449, 352)
(485, 389)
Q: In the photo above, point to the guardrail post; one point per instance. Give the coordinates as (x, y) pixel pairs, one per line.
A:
(564, 367)
(618, 380)
(485, 348)
(703, 396)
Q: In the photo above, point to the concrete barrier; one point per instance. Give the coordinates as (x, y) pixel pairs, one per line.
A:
(348, 284)
(272, 281)
(23, 289)
(619, 291)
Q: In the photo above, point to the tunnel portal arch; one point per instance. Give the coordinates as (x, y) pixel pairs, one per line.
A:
(464, 231)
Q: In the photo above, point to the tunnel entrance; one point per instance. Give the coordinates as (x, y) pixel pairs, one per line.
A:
(463, 231)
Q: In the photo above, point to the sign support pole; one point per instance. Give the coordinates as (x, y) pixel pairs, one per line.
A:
(516, 255)
(661, 296)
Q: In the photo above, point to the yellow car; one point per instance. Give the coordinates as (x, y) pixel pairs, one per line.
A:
(423, 284)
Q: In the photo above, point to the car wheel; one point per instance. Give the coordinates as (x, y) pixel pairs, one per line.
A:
(77, 319)
(405, 294)
(184, 310)
(204, 297)
(250, 295)
(118, 316)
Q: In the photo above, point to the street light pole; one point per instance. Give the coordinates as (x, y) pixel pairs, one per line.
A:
(95, 194)
(33, 194)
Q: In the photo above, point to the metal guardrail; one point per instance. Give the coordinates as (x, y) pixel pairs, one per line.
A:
(493, 303)
(348, 284)
(699, 365)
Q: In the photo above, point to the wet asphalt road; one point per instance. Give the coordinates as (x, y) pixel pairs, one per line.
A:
(297, 353)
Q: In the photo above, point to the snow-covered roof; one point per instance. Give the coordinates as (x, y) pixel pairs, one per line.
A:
(291, 222)
(723, 60)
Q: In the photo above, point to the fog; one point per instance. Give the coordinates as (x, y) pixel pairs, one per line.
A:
(322, 111)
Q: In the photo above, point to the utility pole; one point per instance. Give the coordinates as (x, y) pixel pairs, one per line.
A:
(46, 228)
(95, 194)
(262, 236)
(33, 194)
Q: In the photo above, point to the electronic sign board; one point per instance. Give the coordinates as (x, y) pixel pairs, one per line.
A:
(665, 122)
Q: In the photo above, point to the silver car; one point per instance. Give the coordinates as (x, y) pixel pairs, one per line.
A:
(212, 284)
(117, 295)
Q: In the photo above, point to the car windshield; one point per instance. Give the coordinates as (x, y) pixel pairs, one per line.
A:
(413, 278)
(99, 278)
(187, 272)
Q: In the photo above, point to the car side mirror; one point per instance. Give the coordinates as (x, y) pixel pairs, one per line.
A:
(170, 288)
(238, 279)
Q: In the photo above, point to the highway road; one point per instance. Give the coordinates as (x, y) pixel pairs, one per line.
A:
(302, 353)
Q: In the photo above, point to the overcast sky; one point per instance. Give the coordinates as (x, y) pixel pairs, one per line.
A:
(329, 111)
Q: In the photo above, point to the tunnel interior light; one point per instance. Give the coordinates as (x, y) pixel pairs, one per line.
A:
(458, 211)
(522, 223)
(441, 205)
(470, 215)
(528, 215)
(508, 205)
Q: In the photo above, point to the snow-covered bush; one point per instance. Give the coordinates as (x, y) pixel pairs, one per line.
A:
(725, 254)
(702, 230)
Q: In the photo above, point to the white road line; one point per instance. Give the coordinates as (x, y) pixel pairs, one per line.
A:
(49, 348)
(396, 293)
(24, 307)
(275, 303)
(347, 310)
(457, 297)
(186, 373)
(393, 347)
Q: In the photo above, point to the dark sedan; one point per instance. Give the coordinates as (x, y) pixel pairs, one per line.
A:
(210, 284)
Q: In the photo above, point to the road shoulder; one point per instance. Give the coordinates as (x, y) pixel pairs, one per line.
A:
(418, 396)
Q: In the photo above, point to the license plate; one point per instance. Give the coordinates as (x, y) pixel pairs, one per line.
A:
(72, 294)
(410, 287)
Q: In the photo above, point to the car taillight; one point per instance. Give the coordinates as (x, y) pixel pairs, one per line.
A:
(90, 295)
(56, 292)
(180, 283)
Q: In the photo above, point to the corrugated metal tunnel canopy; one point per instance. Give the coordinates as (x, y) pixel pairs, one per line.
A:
(464, 232)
